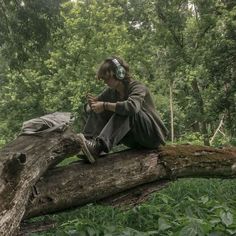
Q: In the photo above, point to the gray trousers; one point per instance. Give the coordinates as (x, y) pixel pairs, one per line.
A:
(135, 131)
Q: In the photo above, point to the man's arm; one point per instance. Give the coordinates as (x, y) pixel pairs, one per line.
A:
(130, 106)
(100, 106)
(134, 102)
(110, 106)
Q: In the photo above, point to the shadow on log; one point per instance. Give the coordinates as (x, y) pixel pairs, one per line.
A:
(80, 183)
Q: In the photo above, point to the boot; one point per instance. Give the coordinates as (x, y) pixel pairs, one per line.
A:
(91, 148)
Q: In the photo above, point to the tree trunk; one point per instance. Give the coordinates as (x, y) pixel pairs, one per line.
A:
(22, 163)
(198, 97)
(171, 112)
(80, 183)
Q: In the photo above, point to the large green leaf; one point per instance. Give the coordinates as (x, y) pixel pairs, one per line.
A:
(226, 218)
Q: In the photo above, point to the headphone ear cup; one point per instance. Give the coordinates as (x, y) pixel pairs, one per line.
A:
(120, 72)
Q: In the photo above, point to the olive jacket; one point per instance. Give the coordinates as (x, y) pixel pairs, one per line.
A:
(137, 98)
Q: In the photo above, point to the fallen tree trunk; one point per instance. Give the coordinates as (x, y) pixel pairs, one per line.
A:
(80, 183)
(26, 159)
(22, 163)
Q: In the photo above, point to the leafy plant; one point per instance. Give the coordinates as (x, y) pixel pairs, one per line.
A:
(186, 207)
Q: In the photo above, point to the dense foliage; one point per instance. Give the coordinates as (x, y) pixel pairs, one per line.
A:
(50, 50)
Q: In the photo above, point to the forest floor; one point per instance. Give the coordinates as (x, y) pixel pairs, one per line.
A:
(182, 207)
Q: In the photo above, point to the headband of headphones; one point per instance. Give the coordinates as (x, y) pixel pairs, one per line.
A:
(120, 70)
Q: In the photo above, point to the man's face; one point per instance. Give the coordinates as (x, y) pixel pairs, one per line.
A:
(111, 82)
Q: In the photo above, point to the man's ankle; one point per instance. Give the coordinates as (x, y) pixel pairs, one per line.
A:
(101, 145)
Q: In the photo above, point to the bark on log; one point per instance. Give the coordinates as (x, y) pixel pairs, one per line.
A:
(22, 162)
(80, 183)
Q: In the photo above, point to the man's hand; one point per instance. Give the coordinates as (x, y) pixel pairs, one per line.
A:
(91, 98)
(97, 106)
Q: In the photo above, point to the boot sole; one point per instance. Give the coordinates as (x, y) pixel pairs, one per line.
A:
(84, 147)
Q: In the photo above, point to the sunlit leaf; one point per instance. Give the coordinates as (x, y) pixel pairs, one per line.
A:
(226, 218)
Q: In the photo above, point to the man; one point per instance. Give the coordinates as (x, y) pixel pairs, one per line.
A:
(123, 113)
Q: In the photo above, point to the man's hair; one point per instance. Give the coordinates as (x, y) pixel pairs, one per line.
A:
(107, 69)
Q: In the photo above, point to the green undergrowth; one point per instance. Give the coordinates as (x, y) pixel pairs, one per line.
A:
(187, 207)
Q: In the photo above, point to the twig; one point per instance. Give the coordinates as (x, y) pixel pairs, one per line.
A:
(217, 130)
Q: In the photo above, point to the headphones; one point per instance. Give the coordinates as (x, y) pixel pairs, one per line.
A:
(120, 70)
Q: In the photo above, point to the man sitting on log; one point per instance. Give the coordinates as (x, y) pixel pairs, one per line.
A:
(123, 113)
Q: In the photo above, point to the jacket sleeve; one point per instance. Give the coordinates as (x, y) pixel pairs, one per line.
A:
(134, 101)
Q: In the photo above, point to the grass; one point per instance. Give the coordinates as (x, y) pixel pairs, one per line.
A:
(186, 207)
